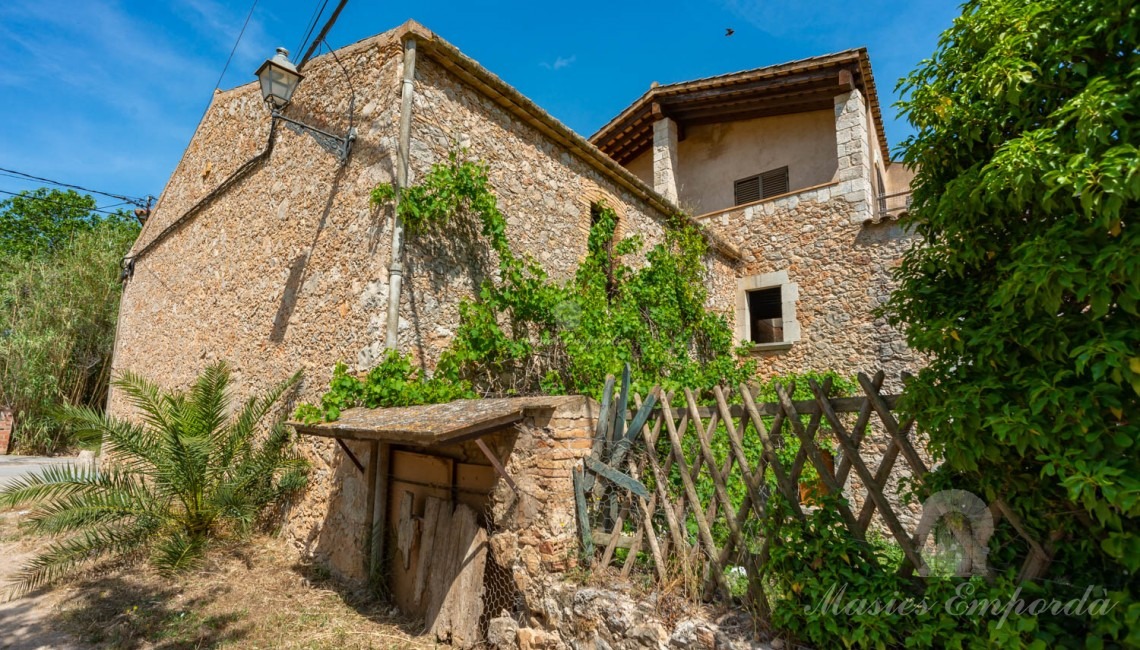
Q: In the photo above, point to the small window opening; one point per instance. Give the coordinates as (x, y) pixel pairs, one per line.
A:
(766, 315)
(761, 186)
(595, 214)
(608, 262)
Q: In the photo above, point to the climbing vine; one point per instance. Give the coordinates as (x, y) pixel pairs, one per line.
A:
(524, 333)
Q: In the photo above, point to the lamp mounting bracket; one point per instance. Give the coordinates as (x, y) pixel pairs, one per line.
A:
(339, 146)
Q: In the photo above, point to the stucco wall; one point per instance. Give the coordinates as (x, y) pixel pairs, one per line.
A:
(288, 268)
(712, 156)
(642, 166)
(898, 178)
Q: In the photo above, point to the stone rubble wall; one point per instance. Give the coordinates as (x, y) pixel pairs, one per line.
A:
(287, 269)
(843, 271)
(534, 529)
(842, 267)
(589, 617)
(545, 193)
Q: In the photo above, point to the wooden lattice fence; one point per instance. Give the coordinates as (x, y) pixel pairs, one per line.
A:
(673, 485)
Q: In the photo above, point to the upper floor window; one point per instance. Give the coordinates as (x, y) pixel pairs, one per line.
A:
(766, 316)
(761, 186)
(766, 311)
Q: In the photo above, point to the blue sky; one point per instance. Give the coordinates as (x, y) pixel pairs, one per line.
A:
(107, 94)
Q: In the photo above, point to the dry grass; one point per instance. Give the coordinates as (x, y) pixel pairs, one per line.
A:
(254, 596)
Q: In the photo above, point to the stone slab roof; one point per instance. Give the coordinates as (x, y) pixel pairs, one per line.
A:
(433, 424)
(806, 84)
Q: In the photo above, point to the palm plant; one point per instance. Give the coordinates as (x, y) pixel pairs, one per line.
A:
(186, 473)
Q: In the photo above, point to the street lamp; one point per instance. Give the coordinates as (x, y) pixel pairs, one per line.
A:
(279, 79)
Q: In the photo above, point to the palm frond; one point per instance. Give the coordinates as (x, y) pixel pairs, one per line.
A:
(127, 498)
(129, 443)
(234, 441)
(178, 552)
(258, 470)
(146, 396)
(52, 482)
(64, 556)
(209, 399)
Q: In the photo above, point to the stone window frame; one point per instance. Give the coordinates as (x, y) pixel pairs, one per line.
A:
(789, 296)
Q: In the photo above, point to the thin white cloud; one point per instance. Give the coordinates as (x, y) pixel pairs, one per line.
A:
(560, 62)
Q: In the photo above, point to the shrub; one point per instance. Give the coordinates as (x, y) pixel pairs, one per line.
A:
(187, 474)
(394, 382)
(59, 301)
(1023, 292)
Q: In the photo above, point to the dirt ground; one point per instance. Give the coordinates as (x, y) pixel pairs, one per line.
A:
(256, 596)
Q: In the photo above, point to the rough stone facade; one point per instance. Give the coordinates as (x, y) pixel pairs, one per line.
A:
(277, 261)
(842, 270)
(264, 251)
(535, 529)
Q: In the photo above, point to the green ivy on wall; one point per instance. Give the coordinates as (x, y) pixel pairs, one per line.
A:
(524, 333)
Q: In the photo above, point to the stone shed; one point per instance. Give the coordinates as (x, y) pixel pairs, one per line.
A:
(470, 504)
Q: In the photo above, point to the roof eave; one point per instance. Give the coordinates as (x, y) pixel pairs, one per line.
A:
(857, 56)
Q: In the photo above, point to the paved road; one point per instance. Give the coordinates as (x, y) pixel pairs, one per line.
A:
(13, 466)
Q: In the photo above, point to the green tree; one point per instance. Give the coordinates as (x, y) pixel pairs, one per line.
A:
(38, 222)
(59, 301)
(187, 473)
(1025, 290)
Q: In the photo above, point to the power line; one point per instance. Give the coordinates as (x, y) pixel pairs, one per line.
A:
(318, 11)
(324, 32)
(22, 176)
(25, 195)
(240, 34)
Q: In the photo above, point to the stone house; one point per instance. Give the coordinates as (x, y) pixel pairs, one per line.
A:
(790, 164)
(264, 250)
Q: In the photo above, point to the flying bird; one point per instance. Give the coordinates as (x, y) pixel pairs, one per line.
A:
(729, 31)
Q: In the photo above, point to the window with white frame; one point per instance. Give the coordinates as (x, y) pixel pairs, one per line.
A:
(766, 310)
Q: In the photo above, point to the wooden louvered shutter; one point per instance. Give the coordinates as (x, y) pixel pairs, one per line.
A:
(747, 190)
(774, 182)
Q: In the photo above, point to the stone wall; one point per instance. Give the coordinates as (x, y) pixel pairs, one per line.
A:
(842, 270)
(287, 267)
(534, 531)
(545, 193)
